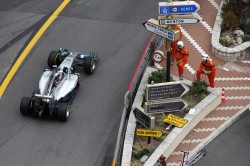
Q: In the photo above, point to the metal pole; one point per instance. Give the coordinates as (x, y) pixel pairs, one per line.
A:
(168, 60)
(168, 55)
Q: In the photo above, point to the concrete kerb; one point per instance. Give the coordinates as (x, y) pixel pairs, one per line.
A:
(176, 135)
(219, 130)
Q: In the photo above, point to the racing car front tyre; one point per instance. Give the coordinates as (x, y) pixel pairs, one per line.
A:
(63, 112)
(25, 105)
(89, 65)
(53, 59)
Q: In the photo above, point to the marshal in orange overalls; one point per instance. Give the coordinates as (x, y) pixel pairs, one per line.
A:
(181, 59)
(173, 43)
(207, 68)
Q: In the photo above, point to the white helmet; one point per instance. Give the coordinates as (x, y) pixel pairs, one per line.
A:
(180, 44)
(205, 57)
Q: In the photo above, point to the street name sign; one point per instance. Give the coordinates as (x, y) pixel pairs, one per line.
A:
(171, 21)
(172, 105)
(175, 120)
(149, 133)
(152, 25)
(178, 7)
(165, 90)
(144, 119)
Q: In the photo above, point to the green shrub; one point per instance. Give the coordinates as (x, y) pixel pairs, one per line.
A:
(230, 6)
(229, 21)
(223, 41)
(246, 37)
(138, 151)
(136, 163)
(158, 76)
(245, 24)
(199, 88)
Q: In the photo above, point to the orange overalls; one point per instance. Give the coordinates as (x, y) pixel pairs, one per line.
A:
(181, 59)
(173, 43)
(209, 69)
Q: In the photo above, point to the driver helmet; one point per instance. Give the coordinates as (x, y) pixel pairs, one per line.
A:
(180, 44)
(64, 52)
(205, 57)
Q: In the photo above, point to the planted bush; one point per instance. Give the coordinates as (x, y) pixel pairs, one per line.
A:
(158, 76)
(138, 151)
(199, 88)
(245, 24)
(229, 21)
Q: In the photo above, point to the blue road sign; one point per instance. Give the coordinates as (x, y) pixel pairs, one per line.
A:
(178, 8)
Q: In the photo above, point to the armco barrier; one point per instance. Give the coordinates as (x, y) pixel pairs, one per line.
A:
(152, 45)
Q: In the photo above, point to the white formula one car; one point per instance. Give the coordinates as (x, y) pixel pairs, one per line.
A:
(58, 86)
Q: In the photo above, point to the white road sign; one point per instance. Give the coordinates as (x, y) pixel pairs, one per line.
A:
(158, 56)
(152, 25)
(170, 21)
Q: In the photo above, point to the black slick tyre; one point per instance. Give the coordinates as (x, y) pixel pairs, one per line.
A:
(53, 59)
(63, 112)
(89, 65)
(25, 106)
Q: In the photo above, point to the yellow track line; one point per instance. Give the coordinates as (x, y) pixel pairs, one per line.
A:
(30, 46)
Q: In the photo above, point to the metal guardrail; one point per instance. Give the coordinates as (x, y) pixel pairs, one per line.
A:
(129, 98)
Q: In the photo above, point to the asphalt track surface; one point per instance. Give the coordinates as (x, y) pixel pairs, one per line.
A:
(231, 147)
(111, 28)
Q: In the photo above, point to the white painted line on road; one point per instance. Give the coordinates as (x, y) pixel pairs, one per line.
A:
(238, 97)
(214, 4)
(232, 78)
(173, 164)
(189, 68)
(191, 141)
(229, 108)
(236, 88)
(204, 130)
(215, 119)
(246, 61)
(225, 69)
(175, 153)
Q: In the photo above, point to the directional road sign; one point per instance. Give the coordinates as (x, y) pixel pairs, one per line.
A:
(171, 21)
(178, 7)
(165, 106)
(144, 119)
(152, 25)
(175, 120)
(165, 90)
(149, 133)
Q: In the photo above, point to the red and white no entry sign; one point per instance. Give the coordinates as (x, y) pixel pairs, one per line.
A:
(158, 56)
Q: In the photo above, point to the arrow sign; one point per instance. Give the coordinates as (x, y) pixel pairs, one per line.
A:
(152, 25)
(166, 106)
(170, 21)
(149, 133)
(144, 119)
(165, 90)
(178, 7)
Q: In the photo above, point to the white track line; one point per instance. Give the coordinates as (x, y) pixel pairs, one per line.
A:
(204, 23)
(191, 141)
(236, 88)
(232, 78)
(214, 4)
(229, 108)
(189, 68)
(215, 119)
(237, 97)
(204, 129)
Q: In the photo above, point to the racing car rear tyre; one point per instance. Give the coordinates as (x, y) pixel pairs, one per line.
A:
(53, 59)
(63, 112)
(89, 65)
(25, 105)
